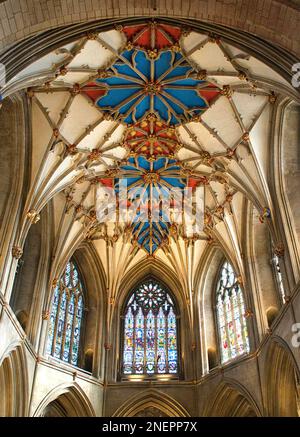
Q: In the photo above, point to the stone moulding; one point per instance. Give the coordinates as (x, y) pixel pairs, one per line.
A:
(20, 55)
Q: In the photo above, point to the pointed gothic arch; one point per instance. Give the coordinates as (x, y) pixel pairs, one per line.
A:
(150, 330)
(13, 383)
(151, 398)
(231, 399)
(282, 377)
(66, 401)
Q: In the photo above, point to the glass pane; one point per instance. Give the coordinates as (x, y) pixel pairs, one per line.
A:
(66, 317)
(150, 331)
(52, 321)
(69, 328)
(128, 346)
(172, 346)
(161, 342)
(150, 346)
(60, 325)
(139, 343)
(231, 319)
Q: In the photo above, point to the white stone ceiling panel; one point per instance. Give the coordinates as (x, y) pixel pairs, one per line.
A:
(202, 168)
(116, 136)
(53, 103)
(210, 199)
(117, 152)
(235, 52)
(88, 201)
(41, 136)
(77, 190)
(102, 135)
(92, 55)
(186, 154)
(80, 116)
(50, 165)
(237, 209)
(249, 106)
(259, 138)
(258, 68)
(189, 42)
(222, 119)
(113, 38)
(207, 141)
(222, 80)
(72, 77)
(211, 58)
(218, 191)
(47, 62)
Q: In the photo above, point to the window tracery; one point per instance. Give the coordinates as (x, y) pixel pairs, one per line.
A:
(150, 331)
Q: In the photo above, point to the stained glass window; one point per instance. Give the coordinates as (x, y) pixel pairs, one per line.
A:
(66, 317)
(279, 278)
(230, 307)
(150, 332)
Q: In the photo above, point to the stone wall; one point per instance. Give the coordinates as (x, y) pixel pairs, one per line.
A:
(23, 18)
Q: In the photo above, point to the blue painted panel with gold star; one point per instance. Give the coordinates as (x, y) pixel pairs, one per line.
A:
(152, 88)
(138, 85)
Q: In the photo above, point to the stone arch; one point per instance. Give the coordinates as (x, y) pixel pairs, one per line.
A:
(158, 270)
(281, 379)
(27, 271)
(14, 175)
(66, 401)
(93, 276)
(151, 399)
(205, 285)
(286, 177)
(93, 279)
(239, 16)
(261, 273)
(13, 383)
(233, 400)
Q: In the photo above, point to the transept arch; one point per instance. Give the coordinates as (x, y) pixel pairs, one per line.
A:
(281, 380)
(233, 400)
(92, 278)
(66, 401)
(13, 383)
(151, 399)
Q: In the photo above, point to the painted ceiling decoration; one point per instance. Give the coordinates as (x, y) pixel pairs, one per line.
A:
(163, 84)
(152, 35)
(154, 179)
(158, 106)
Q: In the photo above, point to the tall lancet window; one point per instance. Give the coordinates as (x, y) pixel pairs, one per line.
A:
(230, 307)
(66, 316)
(150, 331)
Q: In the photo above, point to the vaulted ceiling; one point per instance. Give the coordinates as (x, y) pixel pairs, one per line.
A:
(158, 106)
